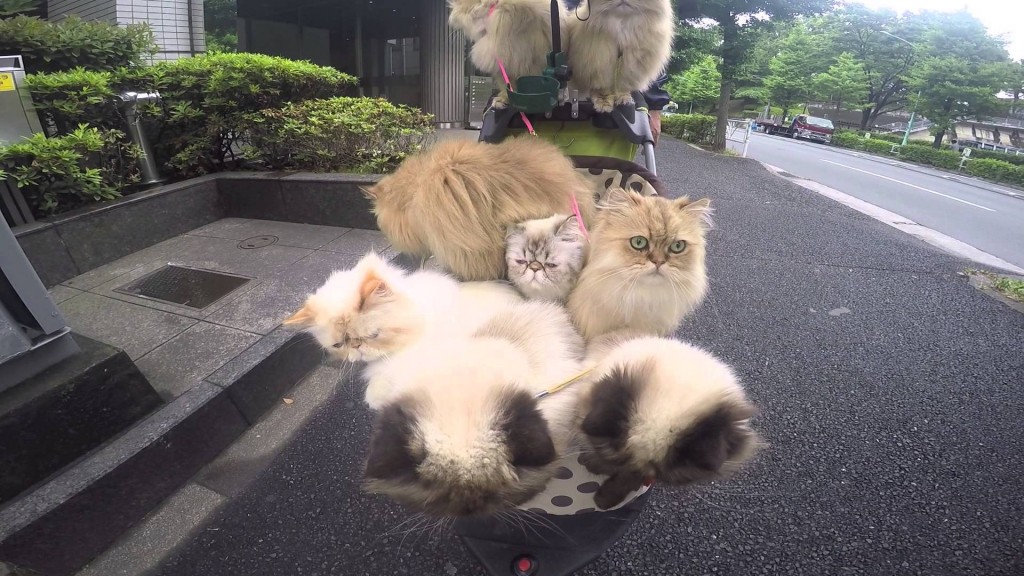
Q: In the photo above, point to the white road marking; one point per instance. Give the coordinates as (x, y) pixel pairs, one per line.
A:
(911, 185)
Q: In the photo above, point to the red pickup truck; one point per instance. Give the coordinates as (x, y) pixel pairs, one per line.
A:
(803, 126)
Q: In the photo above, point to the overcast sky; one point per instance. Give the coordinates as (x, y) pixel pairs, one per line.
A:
(1003, 18)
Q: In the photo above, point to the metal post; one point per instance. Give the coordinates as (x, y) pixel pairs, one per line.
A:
(147, 163)
(910, 124)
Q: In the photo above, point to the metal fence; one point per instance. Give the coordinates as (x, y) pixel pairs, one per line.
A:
(738, 130)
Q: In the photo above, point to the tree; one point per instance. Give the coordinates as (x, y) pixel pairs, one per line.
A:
(738, 21)
(693, 44)
(699, 85)
(793, 69)
(845, 81)
(964, 69)
(219, 22)
(11, 8)
(861, 32)
(952, 89)
(1015, 85)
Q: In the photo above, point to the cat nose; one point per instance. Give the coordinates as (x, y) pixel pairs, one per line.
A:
(535, 266)
(355, 345)
(657, 262)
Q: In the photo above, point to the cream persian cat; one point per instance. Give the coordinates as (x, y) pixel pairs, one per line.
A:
(621, 48)
(456, 200)
(646, 266)
(517, 31)
(375, 310)
(545, 256)
(662, 411)
(465, 433)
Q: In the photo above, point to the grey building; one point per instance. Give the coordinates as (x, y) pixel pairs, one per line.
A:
(402, 50)
(177, 24)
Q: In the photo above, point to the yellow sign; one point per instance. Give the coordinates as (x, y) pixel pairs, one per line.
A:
(6, 82)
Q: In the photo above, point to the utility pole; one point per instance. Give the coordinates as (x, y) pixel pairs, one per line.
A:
(913, 112)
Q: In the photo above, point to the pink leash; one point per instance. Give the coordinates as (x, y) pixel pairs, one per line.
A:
(529, 126)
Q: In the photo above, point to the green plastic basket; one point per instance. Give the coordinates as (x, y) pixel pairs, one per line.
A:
(535, 94)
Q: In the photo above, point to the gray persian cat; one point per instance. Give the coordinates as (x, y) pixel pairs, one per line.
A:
(545, 257)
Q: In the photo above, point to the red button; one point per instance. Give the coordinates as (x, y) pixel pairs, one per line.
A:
(524, 565)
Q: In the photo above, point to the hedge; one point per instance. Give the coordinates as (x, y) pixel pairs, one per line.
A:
(926, 155)
(996, 170)
(339, 134)
(62, 173)
(696, 128)
(1015, 159)
(195, 129)
(72, 42)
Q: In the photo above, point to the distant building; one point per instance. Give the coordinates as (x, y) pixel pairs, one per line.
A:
(177, 24)
(402, 50)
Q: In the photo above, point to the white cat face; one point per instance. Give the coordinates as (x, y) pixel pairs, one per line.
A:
(544, 257)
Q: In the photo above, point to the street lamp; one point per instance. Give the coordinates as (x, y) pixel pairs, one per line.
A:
(910, 123)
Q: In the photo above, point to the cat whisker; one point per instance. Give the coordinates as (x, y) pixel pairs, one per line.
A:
(727, 508)
(544, 522)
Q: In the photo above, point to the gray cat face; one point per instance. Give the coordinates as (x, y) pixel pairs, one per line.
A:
(544, 257)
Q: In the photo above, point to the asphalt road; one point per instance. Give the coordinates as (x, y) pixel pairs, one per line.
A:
(984, 218)
(890, 397)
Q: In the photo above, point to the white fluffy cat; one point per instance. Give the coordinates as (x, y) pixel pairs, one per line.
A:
(545, 256)
(375, 310)
(622, 47)
(517, 31)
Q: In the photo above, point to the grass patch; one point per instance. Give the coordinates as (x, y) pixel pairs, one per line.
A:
(1012, 288)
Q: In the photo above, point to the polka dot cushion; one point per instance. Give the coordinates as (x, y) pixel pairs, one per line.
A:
(572, 491)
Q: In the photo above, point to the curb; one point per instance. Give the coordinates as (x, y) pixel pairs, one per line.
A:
(933, 237)
(64, 523)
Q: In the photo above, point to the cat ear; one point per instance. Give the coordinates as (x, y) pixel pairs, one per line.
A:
(303, 318)
(569, 229)
(617, 197)
(514, 230)
(370, 193)
(720, 437)
(611, 404)
(373, 286)
(699, 209)
(526, 432)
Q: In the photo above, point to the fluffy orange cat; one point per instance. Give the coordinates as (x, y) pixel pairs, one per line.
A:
(456, 200)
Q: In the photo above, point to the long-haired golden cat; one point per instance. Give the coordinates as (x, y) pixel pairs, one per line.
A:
(375, 310)
(465, 433)
(456, 200)
(621, 48)
(664, 411)
(646, 269)
(517, 31)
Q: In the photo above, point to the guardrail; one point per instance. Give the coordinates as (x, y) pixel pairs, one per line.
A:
(738, 130)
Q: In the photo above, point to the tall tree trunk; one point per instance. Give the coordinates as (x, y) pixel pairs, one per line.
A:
(723, 115)
(865, 117)
(937, 143)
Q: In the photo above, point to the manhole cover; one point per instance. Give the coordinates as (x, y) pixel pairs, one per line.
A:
(257, 242)
(190, 287)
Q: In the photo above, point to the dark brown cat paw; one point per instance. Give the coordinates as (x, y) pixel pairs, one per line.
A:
(615, 489)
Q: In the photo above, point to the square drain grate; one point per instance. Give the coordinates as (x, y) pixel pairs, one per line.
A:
(190, 287)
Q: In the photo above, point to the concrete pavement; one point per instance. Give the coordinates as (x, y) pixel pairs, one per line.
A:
(890, 398)
(983, 215)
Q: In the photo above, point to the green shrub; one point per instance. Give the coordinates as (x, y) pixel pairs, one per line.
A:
(338, 134)
(995, 170)
(926, 155)
(62, 173)
(1017, 159)
(697, 128)
(66, 99)
(891, 137)
(206, 99)
(72, 42)
(846, 139)
(875, 146)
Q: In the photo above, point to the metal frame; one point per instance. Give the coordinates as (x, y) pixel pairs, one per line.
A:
(33, 332)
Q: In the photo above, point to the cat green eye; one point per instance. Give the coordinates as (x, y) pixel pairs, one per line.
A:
(638, 242)
(677, 247)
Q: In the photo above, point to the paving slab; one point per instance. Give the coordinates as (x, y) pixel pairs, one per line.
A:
(360, 242)
(135, 329)
(175, 366)
(287, 233)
